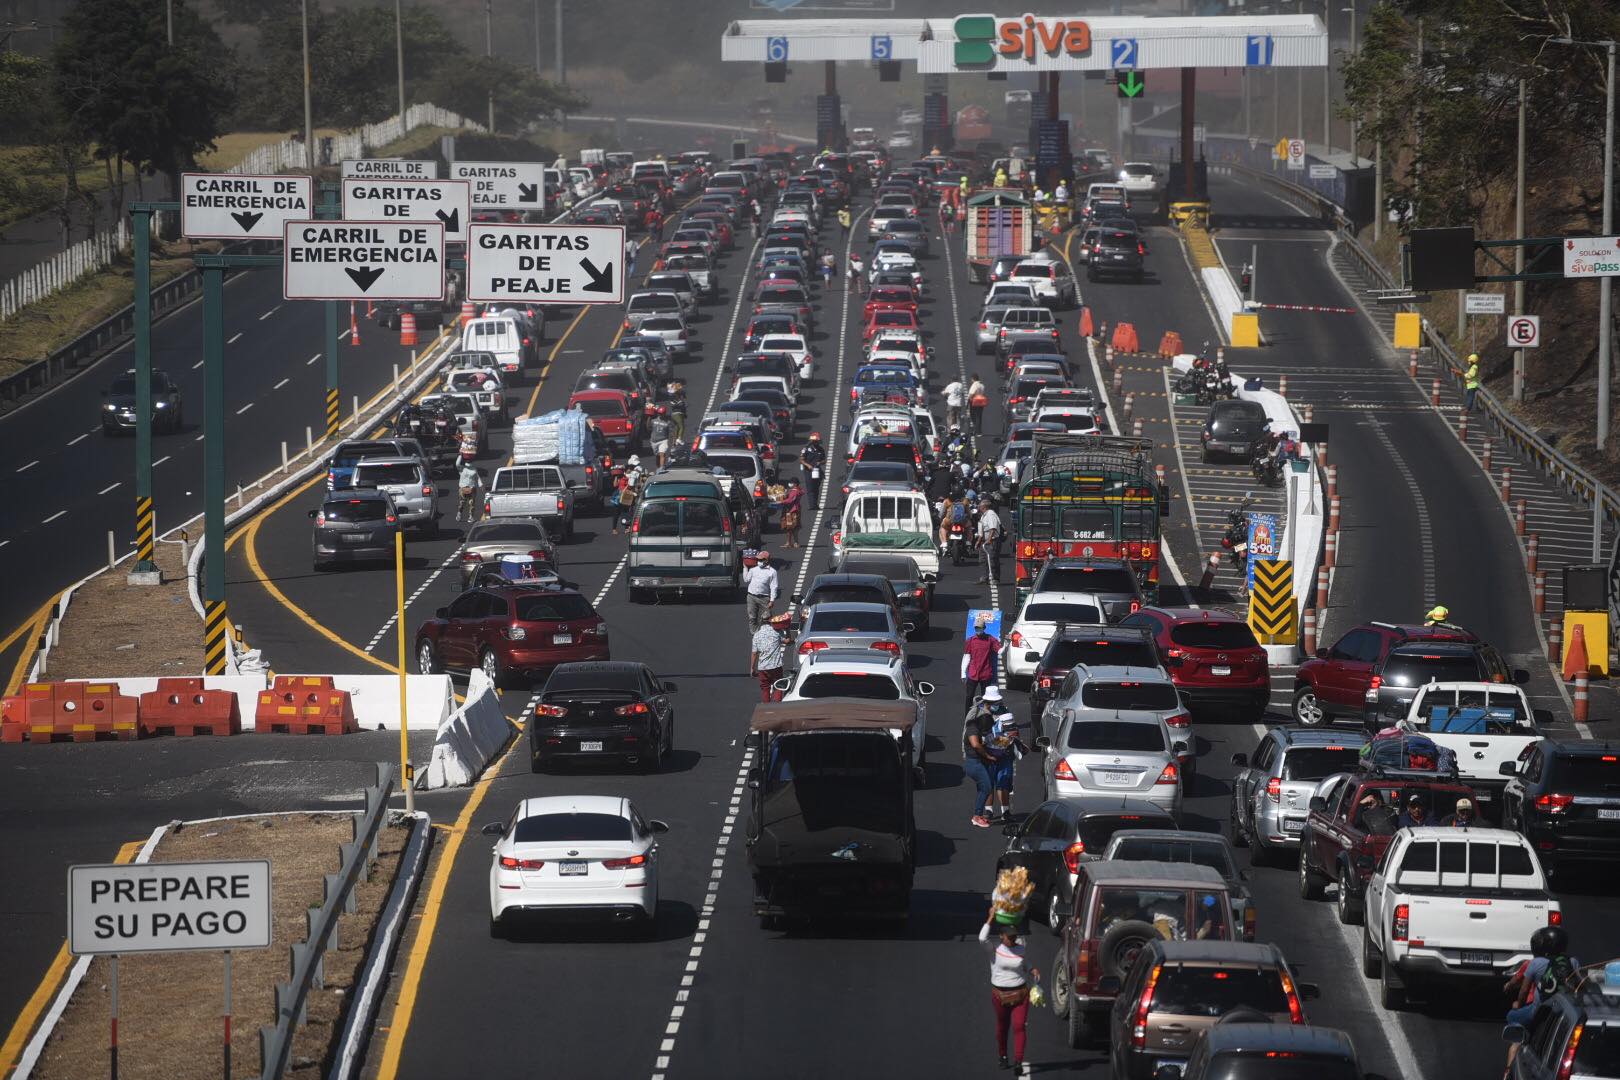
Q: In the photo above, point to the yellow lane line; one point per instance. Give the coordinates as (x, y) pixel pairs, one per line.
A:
(411, 981)
(26, 653)
(12, 1048)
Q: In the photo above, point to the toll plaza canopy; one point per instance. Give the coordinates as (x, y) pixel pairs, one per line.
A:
(982, 43)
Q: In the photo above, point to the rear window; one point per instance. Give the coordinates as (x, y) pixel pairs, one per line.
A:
(1154, 696)
(834, 684)
(487, 534)
(1032, 272)
(1116, 736)
(1214, 635)
(599, 407)
(621, 679)
(1415, 669)
(734, 464)
(1249, 1064)
(549, 827)
(1178, 851)
(702, 519)
(1586, 774)
(847, 594)
(356, 510)
(1068, 653)
(658, 519)
(1319, 762)
(1095, 832)
(384, 474)
(1088, 579)
(881, 471)
(562, 607)
(832, 622)
(1185, 990)
(662, 322)
(1067, 613)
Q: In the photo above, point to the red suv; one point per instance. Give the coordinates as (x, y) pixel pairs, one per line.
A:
(1212, 657)
(514, 630)
(1338, 680)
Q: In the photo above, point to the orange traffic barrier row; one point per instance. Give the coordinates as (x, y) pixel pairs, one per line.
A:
(1170, 344)
(1124, 339)
(305, 705)
(185, 707)
(69, 712)
(1087, 327)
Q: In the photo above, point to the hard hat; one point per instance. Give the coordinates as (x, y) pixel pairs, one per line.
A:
(1473, 358)
(1438, 613)
(815, 436)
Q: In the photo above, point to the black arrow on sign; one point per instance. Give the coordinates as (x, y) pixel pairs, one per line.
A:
(528, 193)
(365, 276)
(601, 280)
(452, 220)
(247, 221)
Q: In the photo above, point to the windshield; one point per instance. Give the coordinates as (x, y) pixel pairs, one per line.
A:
(585, 827)
(560, 607)
(1116, 736)
(1415, 669)
(880, 471)
(1586, 774)
(1185, 990)
(1501, 712)
(1086, 523)
(1066, 613)
(1254, 1064)
(849, 622)
(367, 475)
(1214, 635)
(1036, 271)
(1154, 696)
(850, 684)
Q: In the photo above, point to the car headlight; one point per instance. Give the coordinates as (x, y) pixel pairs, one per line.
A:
(162, 404)
(109, 406)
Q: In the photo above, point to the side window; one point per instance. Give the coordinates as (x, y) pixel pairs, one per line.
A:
(1345, 648)
(1071, 684)
(1265, 753)
(1548, 1035)
(1035, 827)
(468, 606)
(1532, 768)
(494, 606)
(1061, 825)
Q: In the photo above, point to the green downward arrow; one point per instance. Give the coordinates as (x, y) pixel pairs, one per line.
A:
(1131, 83)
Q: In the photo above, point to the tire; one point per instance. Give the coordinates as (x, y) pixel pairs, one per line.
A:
(1118, 949)
(1310, 885)
(1056, 913)
(1307, 709)
(1372, 964)
(1235, 833)
(635, 595)
(1348, 904)
(496, 930)
(1203, 456)
(537, 764)
(654, 761)
(491, 665)
(427, 658)
(1393, 994)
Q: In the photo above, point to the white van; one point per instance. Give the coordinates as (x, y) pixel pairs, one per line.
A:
(507, 336)
(643, 170)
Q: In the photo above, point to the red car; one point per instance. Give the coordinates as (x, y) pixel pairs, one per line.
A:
(1212, 657)
(511, 631)
(889, 298)
(890, 319)
(615, 420)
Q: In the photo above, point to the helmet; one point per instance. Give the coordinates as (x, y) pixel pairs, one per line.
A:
(1473, 358)
(1439, 613)
(1549, 941)
(815, 436)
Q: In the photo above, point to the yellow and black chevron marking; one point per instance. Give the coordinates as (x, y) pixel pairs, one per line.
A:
(216, 629)
(1271, 601)
(145, 529)
(332, 412)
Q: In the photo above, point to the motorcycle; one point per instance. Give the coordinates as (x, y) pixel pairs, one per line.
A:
(956, 543)
(1235, 540)
(1267, 468)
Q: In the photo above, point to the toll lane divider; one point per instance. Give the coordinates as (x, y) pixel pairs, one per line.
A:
(468, 739)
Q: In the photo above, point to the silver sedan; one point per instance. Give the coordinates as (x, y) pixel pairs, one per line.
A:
(868, 627)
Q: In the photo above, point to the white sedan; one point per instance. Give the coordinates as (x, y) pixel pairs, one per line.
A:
(581, 854)
(1037, 624)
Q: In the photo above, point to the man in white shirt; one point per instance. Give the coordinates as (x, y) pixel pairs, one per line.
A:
(762, 587)
(989, 541)
(954, 399)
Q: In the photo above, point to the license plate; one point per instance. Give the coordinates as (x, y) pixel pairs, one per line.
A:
(1116, 779)
(573, 868)
(700, 553)
(562, 639)
(1471, 957)
(1608, 815)
(586, 747)
(1482, 796)
(1221, 670)
(1293, 826)
(356, 538)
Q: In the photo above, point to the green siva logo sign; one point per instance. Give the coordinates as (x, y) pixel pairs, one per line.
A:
(974, 34)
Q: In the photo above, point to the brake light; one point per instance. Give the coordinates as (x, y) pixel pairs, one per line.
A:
(838, 538)
(1274, 789)
(1141, 249)
(1169, 775)
(392, 518)
(1555, 917)
(919, 592)
(1143, 1007)
(1377, 681)
(471, 556)
(1553, 803)
(1046, 682)
(886, 646)
(550, 710)
(1248, 924)
(1402, 922)
(320, 518)
(1082, 964)
(1063, 771)
(807, 647)
(633, 860)
(1567, 1065)
(638, 708)
(1180, 721)
(1071, 855)
(1016, 400)
(509, 863)
(1296, 1015)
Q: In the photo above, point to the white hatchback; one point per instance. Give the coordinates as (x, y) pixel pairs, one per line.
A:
(861, 673)
(1042, 614)
(584, 854)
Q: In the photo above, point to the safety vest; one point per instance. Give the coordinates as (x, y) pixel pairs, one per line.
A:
(1471, 378)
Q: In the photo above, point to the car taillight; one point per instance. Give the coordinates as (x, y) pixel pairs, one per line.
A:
(621, 864)
(1143, 1007)
(509, 863)
(1401, 923)
(1017, 639)
(1071, 855)
(1174, 653)
(427, 489)
(320, 518)
(391, 519)
(919, 592)
(886, 646)
(838, 538)
(984, 326)
(1553, 803)
(1567, 1064)
(486, 506)
(1296, 1015)
(1141, 249)
(550, 710)
(471, 556)
(807, 647)
(1375, 683)
(1274, 789)
(1063, 771)
(1249, 926)
(1046, 682)
(1555, 917)
(1016, 400)
(1169, 775)
(638, 708)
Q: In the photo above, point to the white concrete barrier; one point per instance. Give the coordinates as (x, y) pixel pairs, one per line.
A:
(1224, 296)
(469, 738)
(430, 699)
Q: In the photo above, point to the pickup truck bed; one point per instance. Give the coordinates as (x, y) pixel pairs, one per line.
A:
(534, 491)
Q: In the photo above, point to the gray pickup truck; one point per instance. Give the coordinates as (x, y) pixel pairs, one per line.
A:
(532, 491)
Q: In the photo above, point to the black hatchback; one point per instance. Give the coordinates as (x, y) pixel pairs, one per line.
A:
(913, 593)
(1092, 646)
(1234, 428)
(603, 710)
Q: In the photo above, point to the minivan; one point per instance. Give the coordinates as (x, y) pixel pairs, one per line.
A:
(509, 337)
(681, 539)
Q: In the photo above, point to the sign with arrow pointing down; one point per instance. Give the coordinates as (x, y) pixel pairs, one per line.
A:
(546, 264)
(224, 206)
(503, 185)
(363, 260)
(1130, 83)
(446, 201)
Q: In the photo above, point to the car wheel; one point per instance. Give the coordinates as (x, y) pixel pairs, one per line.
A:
(427, 658)
(1055, 913)
(1307, 709)
(654, 761)
(1203, 456)
(1310, 886)
(1349, 907)
(496, 930)
(537, 763)
(1235, 831)
(635, 595)
(1372, 964)
(1393, 995)
(492, 668)
(1060, 985)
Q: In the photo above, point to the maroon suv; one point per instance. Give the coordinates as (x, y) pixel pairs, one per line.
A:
(509, 631)
(1336, 681)
(1212, 657)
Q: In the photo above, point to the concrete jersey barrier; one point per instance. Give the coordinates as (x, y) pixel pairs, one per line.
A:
(469, 738)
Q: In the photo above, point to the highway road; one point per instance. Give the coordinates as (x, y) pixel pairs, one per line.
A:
(715, 995)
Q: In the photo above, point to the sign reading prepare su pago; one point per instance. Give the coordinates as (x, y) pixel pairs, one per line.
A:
(114, 909)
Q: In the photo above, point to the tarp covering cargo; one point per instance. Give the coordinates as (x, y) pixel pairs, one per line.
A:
(560, 436)
(889, 540)
(832, 713)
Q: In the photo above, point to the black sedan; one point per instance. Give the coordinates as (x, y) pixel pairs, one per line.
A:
(605, 709)
(118, 410)
(915, 594)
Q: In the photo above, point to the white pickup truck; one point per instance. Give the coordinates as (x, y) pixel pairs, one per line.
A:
(532, 491)
(1485, 724)
(890, 519)
(1452, 906)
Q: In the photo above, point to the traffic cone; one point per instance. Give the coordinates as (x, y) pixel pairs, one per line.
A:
(1086, 326)
(407, 328)
(1575, 662)
(354, 326)
(468, 312)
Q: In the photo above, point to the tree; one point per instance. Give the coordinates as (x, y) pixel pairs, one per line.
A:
(522, 98)
(136, 96)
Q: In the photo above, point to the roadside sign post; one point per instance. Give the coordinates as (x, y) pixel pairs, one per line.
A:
(503, 185)
(334, 394)
(1524, 331)
(145, 515)
(1481, 304)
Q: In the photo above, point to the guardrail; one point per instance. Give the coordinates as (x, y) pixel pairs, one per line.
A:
(1567, 474)
(308, 957)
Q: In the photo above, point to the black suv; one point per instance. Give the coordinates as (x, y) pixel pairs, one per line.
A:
(118, 411)
(1108, 646)
(1564, 796)
(1117, 253)
(1408, 666)
(1111, 581)
(1571, 1033)
(1237, 428)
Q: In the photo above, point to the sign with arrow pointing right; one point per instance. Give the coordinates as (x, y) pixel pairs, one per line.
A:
(503, 185)
(224, 206)
(546, 264)
(446, 201)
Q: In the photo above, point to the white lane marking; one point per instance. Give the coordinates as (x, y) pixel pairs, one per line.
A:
(345, 333)
(244, 408)
(411, 599)
(312, 359)
(731, 330)
(1400, 1047)
(161, 460)
(280, 384)
(197, 365)
(234, 338)
(1425, 529)
(3, 543)
(53, 517)
(608, 584)
(269, 313)
(28, 466)
(110, 487)
(76, 440)
(199, 438)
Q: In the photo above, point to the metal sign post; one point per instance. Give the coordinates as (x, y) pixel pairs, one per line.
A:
(227, 1072)
(334, 395)
(112, 1046)
(405, 771)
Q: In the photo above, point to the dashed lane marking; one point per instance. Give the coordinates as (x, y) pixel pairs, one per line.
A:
(269, 313)
(76, 440)
(197, 365)
(611, 578)
(234, 338)
(53, 517)
(110, 487)
(244, 408)
(411, 599)
(280, 384)
(161, 460)
(312, 359)
(28, 466)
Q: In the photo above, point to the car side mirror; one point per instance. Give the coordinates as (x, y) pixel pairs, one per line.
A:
(312, 514)
(909, 627)
(1508, 768)
(1542, 716)
(1109, 984)
(1309, 991)
(1521, 677)
(494, 828)
(658, 826)
(1240, 760)
(441, 613)
(1043, 743)
(669, 687)
(753, 779)
(1010, 829)
(783, 684)
(1515, 1034)
(1321, 654)
(796, 598)
(925, 689)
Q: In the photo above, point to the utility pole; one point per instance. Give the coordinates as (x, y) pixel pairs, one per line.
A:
(537, 37)
(1518, 252)
(489, 53)
(1327, 78)
(309, 122)
(399, 56)
(562, 72)
(168, 12)
(1378, 179)
(1354, 144)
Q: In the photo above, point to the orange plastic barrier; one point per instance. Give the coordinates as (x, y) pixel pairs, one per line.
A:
(184, 707)
(70, 712)
(1170, 344)
(305, 705)
(1125, 338)
(1086, 326)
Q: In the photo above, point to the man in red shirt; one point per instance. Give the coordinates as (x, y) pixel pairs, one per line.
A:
(979, 659)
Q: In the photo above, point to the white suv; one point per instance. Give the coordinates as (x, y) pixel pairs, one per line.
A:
(1053, 284)
(861, 673)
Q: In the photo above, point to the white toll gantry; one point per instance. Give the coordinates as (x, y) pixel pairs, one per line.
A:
(503, 185)
(391, 168)
(225, 206)
(546, 264)
(445, 201)
(361, 260)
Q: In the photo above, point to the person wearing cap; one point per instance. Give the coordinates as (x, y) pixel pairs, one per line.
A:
(979, 655)
(762, 586)
(1416, 813)
(1439, 617)
(1471, 382)
(1376, 818)
(977, 759)
(628, 490)
(811, 461)
(1463, 817)
(766, 652)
